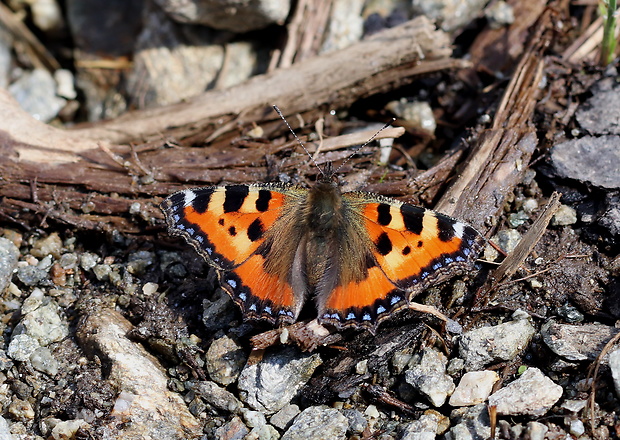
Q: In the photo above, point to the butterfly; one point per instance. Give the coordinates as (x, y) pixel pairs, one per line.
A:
(359, 256)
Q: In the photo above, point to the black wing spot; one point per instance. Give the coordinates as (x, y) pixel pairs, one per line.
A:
(384, 244)
(232, 231)
(445, 225)
(406, 250)
(413, 218)
(221, 222)
(384, 217)
(262, 202)
(235, 196)
(201, 201)
(420, 243)
(255, 230)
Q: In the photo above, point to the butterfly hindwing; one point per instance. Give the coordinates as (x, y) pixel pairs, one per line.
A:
(411, 249)
(232, 227)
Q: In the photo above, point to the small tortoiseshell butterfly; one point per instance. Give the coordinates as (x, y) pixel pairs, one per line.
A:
(359, 256)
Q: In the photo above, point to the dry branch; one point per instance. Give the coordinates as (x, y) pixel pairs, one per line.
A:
(497, 162)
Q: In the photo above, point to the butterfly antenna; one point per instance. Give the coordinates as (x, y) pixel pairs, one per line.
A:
(275, 107)
(372, 138)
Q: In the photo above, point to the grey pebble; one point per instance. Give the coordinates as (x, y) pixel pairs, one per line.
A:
(449, 14)
(45, 324)
(225, 360)
(425, 428)
(501, 342)
(564, 216)
(35, 92)
(357, 421)
(428, 376)
(283, 418)
(43, 360)
(604, 101)
(9, 254)
(21, 347)
(88, 260)
(318, 423)
(231, 15)
(49, 245)
(582, 159)
(235, 429)
(270, 384)
(614, 365)
(532, 394)
(217, 396)
(5, 430)
(470, 423)
(577, 342)
(31, 275)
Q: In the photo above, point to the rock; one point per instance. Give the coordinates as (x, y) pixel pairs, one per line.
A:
(497, 343)
(231, 15)
(169, 65)
(564, 216)
(6, 56)
(265, 432)
(43, 360)
(138, 262)
(470, 423)
(88, 260)
(531, 394)
(474, 388)
(45, 324)
(66, 83)
(233, 430)
(21, 347)
(449, 14)
(346, 25)
(357, 421)
(36, 93)
(535, 431)
(577, 342)
(253, 419)
(418, 114)
(614, 365)
(574, 405)
(604, 101)
(148, 407)
(429, 377)
(9, 254)
(5, 430)
(425, 428)
(218, 311)
(591, 160)
(506, 239)
(283, 418)
(31, 275)
(576, 428)
(217, 396)
(225, 360)
(270, 384)
(67, 429)
(499, 14)
(21, 410)
(317, 423)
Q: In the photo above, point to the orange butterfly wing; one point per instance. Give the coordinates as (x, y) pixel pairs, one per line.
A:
(227, 225)
(412, 248)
